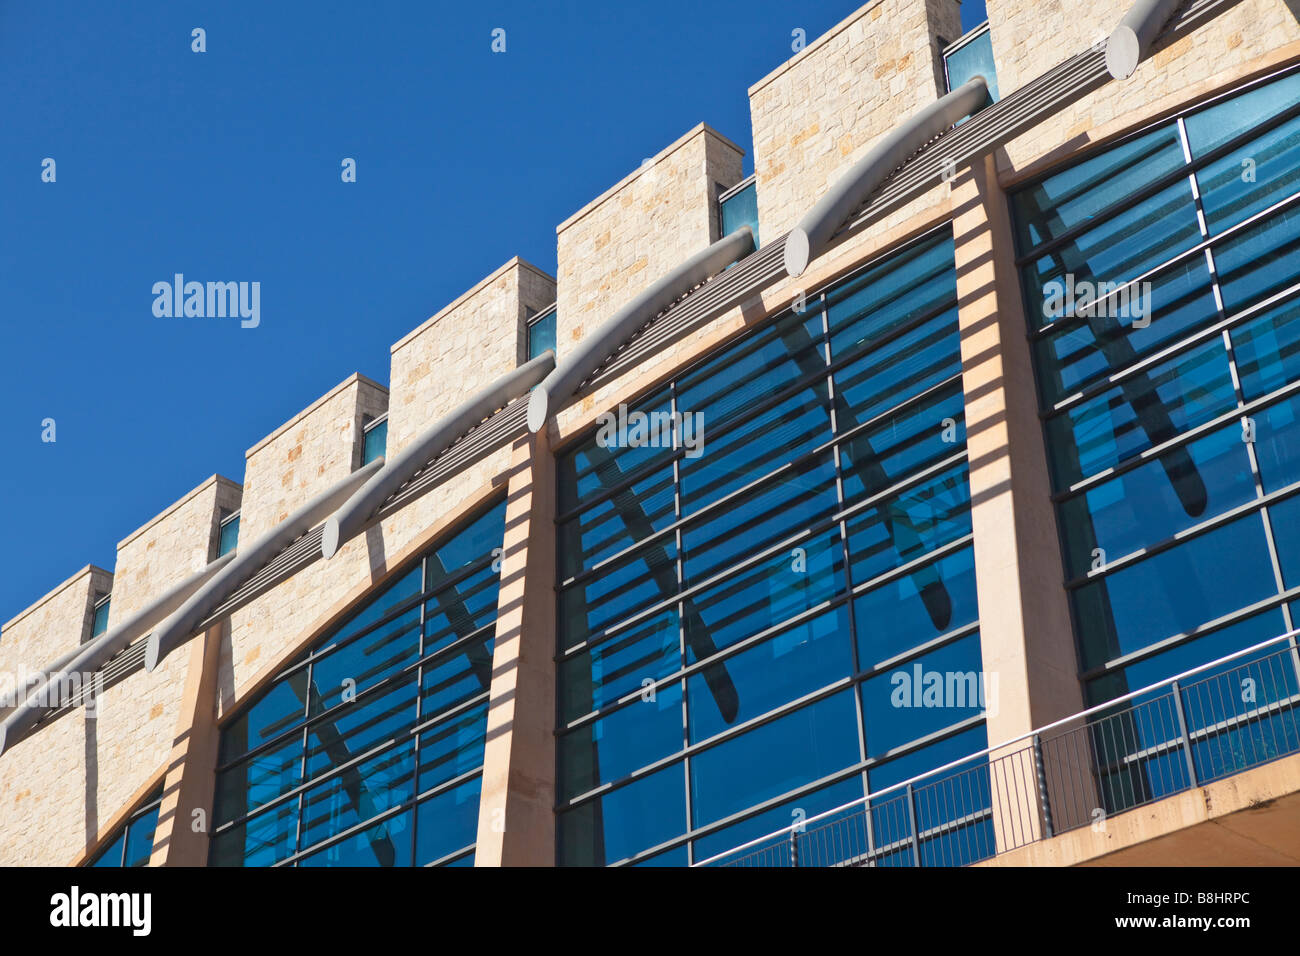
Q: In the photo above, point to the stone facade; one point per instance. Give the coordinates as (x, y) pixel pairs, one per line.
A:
(640, 229)
(812, 118)
(55, 624)
(1240, 36)
(821, 111)
(463, 348)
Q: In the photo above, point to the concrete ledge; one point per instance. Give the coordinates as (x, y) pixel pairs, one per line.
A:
(54, 592)
(1249, 819)
(698, 130)
(469, 293)
(355, 377)
(175, 506)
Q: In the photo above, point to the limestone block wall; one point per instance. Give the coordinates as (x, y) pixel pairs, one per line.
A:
(312, 451)
(640, 229)
(282, 621)
(52, 626)
(463, 348)
(136, 721)
(1030, 36)
(45, 818)
(304, 456)
(822, 110)
(171, 546)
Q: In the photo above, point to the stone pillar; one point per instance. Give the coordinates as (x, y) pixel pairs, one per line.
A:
(190, 783)
(516, 824)
(1025, 630)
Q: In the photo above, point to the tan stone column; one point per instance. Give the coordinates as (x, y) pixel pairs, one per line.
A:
(516, 825)
(191, 770)
(1025, 633)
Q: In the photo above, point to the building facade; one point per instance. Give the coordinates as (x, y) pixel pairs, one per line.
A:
(930, 497)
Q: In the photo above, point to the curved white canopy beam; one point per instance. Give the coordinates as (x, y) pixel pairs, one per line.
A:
(366, 501)
(93, 655)
(1131, 41)
(811, 237)
(248, 560)
(589, 354)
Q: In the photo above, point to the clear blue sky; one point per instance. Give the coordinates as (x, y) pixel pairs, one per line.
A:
(225, 166)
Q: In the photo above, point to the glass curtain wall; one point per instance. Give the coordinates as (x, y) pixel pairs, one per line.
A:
(1162, 279)
(368, 751)
(752, 561)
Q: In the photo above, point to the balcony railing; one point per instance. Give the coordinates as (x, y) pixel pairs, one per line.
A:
(1207, 723)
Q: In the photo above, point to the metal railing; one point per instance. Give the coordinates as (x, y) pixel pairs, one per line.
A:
(1207, 723)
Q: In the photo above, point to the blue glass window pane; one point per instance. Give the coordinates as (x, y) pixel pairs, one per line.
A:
(648, 650)
(596, 465)
(777, 356)
(778, 510)
(111, 855)
(780, 669)
(1277, 444)
(897, 370)
(100, 623)
(741, 209)
(765, 595)
(924, 695)
(1117, 249)
(337, 738)
(460, 610)
(915, 608)
(448, 822)
(1076, 195)
(904, 768)
(906, 525)
(361, 793)
(1267, 350)
(1147, 409)
(630, 738)
(385, 844)
(457, 678)
(1259, 172)
(453, 747)
(1173, 592)
(1181, 301)
(340, 675)
(475, 542)
(541, 335)
(962, 792)
(1233, 116)
(1260, 262)
(757, 447)
(914, 283)
(262, 841)
(903, 443)
(1285, 517)
(974, 58)
(625, 821)
(258, 780)
(283, 706)
(1184, 657)
(1154, 501)
(375, 444)
(1252, 177)
(674, 857)
(615, 524)
(229, 536)
(770, 760)
(139, 838)
(619, 591)
(375, 609)
(769, 821)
